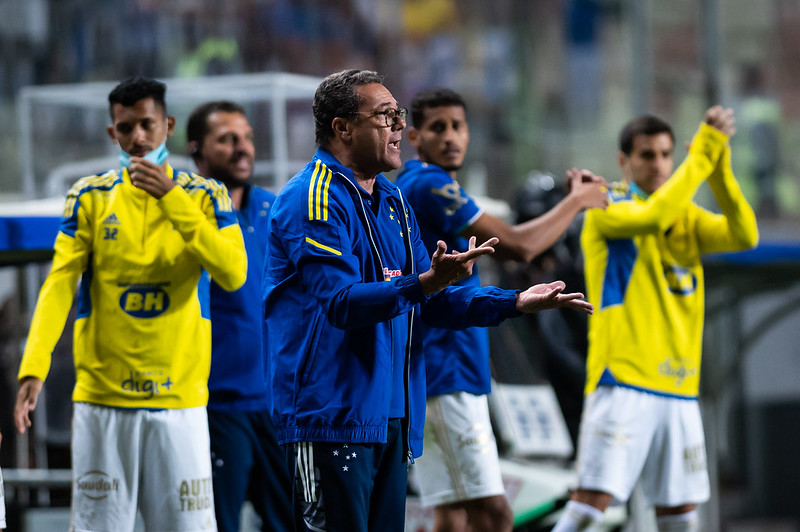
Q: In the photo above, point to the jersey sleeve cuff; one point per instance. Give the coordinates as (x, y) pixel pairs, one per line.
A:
(27, 370)
(472, 220)
(709, 140)
(411, 288)
(508, 304)
(173, 197)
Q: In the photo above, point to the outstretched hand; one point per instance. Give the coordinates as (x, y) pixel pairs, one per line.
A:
(447, 268)
(549, 295)
(26, 402)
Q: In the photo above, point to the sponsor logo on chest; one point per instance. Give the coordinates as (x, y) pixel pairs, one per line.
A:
(144, 300)
(681, 281)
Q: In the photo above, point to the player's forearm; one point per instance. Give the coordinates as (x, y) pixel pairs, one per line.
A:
(523, 242)
(535, 236)
(55, 301)
(738, 212)
(459, 307)
(49, 319)
(701, 162)
(220, 251)
(365, 304)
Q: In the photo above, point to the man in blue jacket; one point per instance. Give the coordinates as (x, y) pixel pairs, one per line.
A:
(346, 271)
(247, 463)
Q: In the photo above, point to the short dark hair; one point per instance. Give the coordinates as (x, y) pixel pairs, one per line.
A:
(433, 97)
(130, 91)
(197, 126)
(336, 96)
(642, 125)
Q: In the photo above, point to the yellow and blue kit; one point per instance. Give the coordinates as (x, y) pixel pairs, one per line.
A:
(142, 334)
(644, 274)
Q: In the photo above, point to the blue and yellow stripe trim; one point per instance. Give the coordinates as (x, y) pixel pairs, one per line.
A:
(318, 192)
(322, 246)
(105, 181)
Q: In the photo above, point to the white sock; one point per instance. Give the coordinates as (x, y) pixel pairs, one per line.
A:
(578, 517)
(685, 522)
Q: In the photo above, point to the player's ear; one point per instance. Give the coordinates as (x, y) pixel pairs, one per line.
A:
(194, 150)
(413, 136)
(621, 159)
(112, 134)
(342, 128)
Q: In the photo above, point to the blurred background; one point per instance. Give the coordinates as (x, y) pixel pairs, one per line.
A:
(549, 83)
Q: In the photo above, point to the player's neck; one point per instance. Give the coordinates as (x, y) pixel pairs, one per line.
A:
(237, 193)
(452, 172)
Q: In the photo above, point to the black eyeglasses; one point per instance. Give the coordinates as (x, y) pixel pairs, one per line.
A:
(390, 116)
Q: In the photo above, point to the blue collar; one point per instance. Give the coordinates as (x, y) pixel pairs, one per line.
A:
(637, 191)
(381, 182)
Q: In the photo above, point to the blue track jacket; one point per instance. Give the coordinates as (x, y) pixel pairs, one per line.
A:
(335, 301)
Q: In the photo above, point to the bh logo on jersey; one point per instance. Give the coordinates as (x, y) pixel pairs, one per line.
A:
(144, 301)
(680, 280)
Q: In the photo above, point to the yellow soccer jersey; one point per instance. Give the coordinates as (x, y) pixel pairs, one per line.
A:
(142, 334)
(644, 273)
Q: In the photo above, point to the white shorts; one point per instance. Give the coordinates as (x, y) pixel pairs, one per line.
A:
(2, 503)
(629, 435)
(156, 461)
(459, 460)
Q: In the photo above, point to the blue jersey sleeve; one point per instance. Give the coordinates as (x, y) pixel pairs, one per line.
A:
(439, 201)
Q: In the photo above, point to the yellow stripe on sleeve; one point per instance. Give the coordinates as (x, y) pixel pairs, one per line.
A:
(311, 188)
(325, 194)
(322, 246)
(69, 205)
(318, 202)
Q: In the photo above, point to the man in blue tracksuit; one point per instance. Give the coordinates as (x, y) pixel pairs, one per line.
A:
(346, 272)
(247, 463)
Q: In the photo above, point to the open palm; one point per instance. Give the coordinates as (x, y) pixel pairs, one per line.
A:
(550, 295)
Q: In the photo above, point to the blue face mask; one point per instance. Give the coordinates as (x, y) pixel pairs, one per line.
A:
(157, 156)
